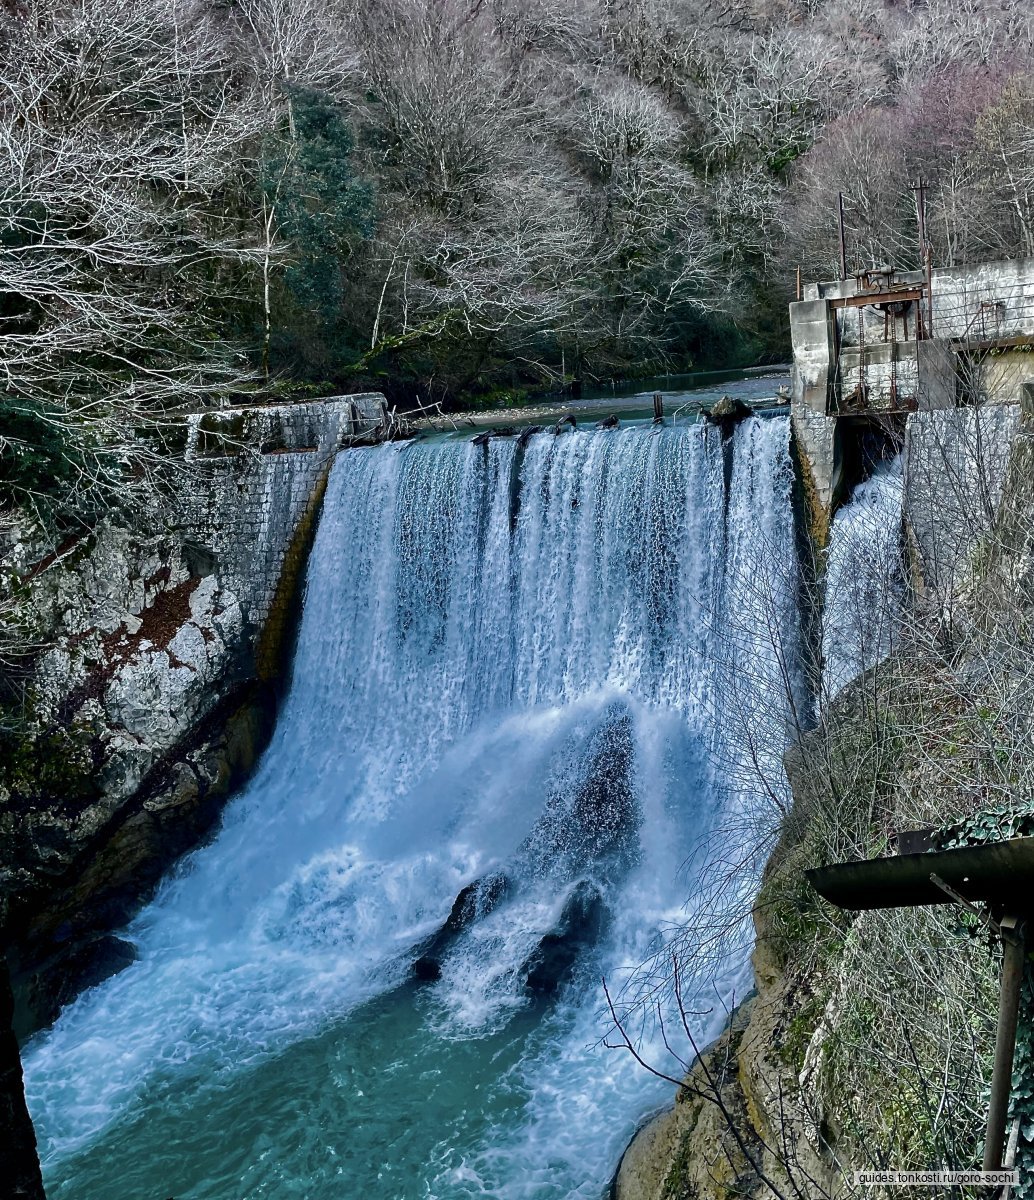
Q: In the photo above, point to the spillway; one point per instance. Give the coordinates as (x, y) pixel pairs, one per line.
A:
(865, 580)
(551, 670)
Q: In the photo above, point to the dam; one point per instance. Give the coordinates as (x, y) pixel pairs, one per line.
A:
(550, 672)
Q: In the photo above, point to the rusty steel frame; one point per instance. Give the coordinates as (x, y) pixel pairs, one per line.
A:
(864, 299)
(994, 874)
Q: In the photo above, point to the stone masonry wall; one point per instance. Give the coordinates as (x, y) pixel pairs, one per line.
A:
(254, 475)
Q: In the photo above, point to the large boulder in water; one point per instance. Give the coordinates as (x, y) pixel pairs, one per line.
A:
(581, 923)
(527, 434)
(477, 900)
(605, 809)
(728, 413)
(427, 969)
(592, 818)
(472, 903)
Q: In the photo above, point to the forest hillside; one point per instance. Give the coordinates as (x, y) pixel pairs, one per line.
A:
(451, 199)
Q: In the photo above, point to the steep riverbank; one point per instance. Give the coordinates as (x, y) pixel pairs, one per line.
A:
(848, 1056)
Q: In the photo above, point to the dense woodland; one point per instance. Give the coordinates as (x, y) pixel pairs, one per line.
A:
(452, 199)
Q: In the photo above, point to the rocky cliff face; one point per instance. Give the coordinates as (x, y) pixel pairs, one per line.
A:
(19, 1165)
(148, 685)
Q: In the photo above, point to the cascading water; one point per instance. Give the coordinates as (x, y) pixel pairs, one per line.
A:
(865, 587)
(544, 670)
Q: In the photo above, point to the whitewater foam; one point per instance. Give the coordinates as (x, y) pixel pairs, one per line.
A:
(563, 662)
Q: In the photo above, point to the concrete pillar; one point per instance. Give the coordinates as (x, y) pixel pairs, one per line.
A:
(815, 436)
(937, 374)
(814, 426)
(811, 333)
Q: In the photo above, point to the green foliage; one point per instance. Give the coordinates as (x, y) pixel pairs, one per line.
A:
(798, 926)
(38, 458)
(717, 342)
(796, 1037)
(44, 768)
(996, 824)
(785, 155)
(1022, 1100)
(326, 213)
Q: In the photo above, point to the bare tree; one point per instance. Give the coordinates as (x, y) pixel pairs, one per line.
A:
(117, 139)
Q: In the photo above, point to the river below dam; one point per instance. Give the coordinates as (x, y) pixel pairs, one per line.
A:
(546, 672)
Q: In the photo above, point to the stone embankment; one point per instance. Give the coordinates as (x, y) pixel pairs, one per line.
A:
(152, 684)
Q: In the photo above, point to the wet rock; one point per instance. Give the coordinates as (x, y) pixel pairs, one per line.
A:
(527, 434)
(581, 923)
(200, 560)
(427, 969)
(498, 431)
(473, 903)
(728, 412)
(605, 807)
(19, 1164)
(58, 981)
(591, 821)
(610, 422)
(477, 900)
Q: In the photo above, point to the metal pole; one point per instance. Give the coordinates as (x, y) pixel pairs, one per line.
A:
(1013, 960)
(920, 190)
(929, 295)
(924, 251)
(843, 239)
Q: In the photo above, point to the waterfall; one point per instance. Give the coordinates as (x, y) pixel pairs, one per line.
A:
(540, 672)
(865, 586)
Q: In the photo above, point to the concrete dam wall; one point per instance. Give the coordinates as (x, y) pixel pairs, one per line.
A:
(932, 364)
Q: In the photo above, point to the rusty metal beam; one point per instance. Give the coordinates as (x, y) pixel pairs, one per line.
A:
(864, 299)
(997, 872)
(1013, 961)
